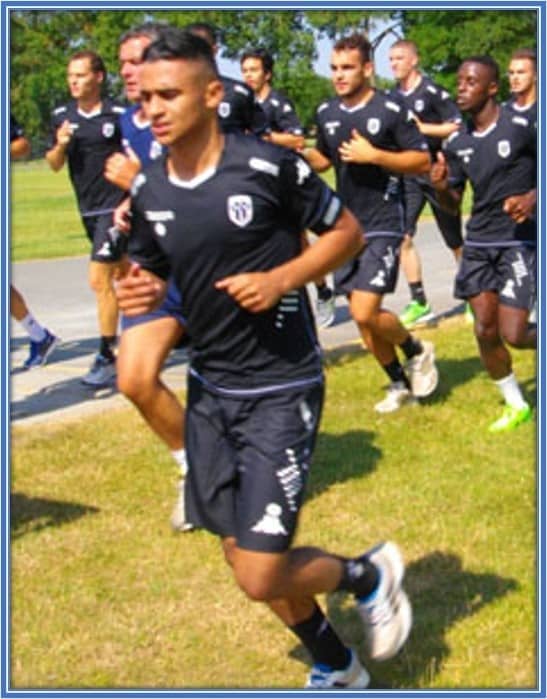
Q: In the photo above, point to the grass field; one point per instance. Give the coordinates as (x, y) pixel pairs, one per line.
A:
(105, 596)
(44, 220)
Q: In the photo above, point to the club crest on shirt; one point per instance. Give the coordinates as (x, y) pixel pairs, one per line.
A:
(224, 110)
(504, 149)
(108, 129)
(240, 209)
(419, 105)
(373, 125)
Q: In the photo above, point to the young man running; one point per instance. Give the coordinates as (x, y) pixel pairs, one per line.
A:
(496, 152)
(436, 116)
(368, 138)
(223, 214)
(84, 133)
(523, 84)
(284, 129)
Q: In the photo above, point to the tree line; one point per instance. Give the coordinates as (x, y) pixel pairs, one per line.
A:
(41, 42)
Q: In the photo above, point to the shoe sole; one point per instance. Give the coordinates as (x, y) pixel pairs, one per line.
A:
(100, 384)
(427, 319)
(409, 402)
(393, 558)
(404, 612)
(419, 391)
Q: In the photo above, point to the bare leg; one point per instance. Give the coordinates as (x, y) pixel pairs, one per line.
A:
(142, 352)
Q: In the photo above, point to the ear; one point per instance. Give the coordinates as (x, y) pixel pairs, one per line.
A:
(493, 89)
(214, 94)
(368, 70)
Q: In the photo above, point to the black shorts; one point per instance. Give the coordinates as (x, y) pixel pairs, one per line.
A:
(376, 269)
(106, 244)
(417, 193)
(249, 461)
(510, 271)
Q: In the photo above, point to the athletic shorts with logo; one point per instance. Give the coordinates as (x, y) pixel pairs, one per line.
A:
(418, 192)
(249, 459)
(376, 269)
(106, 244)
(169, 308)
(510, 271)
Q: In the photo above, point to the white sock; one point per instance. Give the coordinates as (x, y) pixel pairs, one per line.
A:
(180, 457)
(35, 331)
(510, 391)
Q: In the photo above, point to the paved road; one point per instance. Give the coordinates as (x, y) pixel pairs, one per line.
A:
(58, 295)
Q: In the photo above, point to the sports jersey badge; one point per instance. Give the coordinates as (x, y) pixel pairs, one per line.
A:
(240, 209)
(419, 105)
(504, 149)
(224, 110)
(108, 129)
(373, 125)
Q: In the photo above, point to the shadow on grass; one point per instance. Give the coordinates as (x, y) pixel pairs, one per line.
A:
(442, 594)
(338, 458)
(30, 514)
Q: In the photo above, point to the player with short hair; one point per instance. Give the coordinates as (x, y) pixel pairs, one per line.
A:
(283, 128)
(238, 111)
(496, 153)
(523, 84)
(84, 132)
(436, 116)
(223, 213)
(42, 341)
(370, 140)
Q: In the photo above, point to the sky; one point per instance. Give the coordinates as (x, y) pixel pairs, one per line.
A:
(232, 70)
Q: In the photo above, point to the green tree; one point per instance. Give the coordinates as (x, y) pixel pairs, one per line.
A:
(445, 38)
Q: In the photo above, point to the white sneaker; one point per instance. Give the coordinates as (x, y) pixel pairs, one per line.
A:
(101, 373)
(422, 371)
(354, 676)
(178, 515)
(325, 311)
(387, 616)
(397, 396)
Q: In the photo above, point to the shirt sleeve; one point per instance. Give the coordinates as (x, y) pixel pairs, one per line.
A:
(457, 176)
(286, 118)
(307, 200)
(406, 134)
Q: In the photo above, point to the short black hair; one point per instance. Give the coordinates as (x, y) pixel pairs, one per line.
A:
(203, 29)
(355, 41)
(488, 62)
(262, 55)
(174, 43)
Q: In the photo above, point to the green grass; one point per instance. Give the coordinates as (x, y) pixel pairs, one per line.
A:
(44, 218)
(104, 595)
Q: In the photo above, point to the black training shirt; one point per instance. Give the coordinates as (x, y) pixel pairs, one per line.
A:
(95, 137)
(498, 162)
(370, 191)
(245, 215)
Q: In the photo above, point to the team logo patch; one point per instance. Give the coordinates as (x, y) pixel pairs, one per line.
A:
(373, 125)
(270, 523)
(108, 129)
(504, 149)
(240, 209)
(224, 110)
(419, 105)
